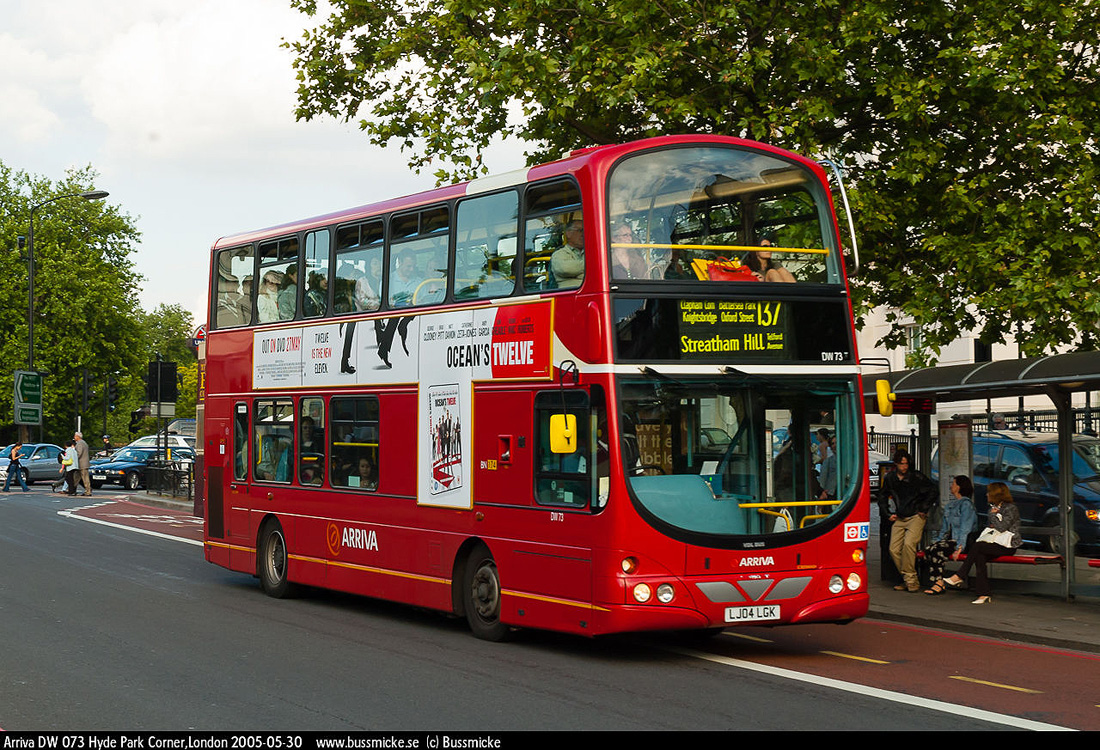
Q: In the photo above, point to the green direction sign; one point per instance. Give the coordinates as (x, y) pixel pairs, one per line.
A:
(28, 398)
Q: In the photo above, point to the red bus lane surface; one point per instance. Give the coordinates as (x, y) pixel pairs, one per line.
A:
(140, 518)
(1043, 684)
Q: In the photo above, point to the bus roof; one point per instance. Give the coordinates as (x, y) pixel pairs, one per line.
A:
(573, 162)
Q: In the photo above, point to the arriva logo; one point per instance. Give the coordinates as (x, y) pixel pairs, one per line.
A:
(756, 562)
(364, 539)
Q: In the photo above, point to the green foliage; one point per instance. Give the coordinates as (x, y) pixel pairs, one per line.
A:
(86, 310)
(968, 126)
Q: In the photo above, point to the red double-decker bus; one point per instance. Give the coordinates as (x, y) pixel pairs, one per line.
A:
(616, 392)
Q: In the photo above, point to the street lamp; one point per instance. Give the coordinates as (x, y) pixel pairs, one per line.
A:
(91, 195)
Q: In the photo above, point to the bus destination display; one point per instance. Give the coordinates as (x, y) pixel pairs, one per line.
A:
(719, 328)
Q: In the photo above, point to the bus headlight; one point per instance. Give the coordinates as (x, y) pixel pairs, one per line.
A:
(665, 592)
(836, 585)
(642, 593)
(854, 581)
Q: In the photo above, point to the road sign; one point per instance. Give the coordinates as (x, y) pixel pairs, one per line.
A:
(28, 397)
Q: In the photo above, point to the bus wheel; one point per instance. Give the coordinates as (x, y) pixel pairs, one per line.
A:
(482, 594)
(271, 561)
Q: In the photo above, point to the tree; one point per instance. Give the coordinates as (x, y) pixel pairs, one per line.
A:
(968, 126)
(85, 292)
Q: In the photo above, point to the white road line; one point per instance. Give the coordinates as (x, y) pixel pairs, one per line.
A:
(889, 695)
(72, 513)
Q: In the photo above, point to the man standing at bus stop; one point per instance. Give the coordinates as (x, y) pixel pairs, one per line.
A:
(913, 494)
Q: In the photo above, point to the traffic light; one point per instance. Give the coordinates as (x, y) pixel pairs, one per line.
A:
(136, 416)
(161, 384)
(112, 392)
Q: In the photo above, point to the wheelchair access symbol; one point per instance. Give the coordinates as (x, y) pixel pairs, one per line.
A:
(857, 532)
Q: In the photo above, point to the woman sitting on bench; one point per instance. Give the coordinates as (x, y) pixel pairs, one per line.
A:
(999, 538)
(957, 532)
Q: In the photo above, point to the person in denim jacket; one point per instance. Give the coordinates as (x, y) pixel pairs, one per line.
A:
(1004, 520)
(960, 521)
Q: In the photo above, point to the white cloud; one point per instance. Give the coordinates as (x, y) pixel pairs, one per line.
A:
(186, 111)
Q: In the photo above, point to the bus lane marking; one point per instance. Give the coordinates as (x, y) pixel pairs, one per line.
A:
(976, 681)
(912, 701)
(867, 659)
(75, 513)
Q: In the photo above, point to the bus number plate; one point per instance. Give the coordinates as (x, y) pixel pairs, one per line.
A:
(752, 614)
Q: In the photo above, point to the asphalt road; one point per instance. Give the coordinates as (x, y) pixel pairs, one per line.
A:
(103, 627)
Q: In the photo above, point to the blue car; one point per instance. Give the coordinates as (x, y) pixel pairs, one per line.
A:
(127, 466)
(1028, 464)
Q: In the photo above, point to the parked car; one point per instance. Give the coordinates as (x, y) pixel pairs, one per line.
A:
(1028, 464)
(39, 462)
(172, 441)
(127, 466)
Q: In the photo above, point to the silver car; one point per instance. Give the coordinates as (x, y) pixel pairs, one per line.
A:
(39, 462)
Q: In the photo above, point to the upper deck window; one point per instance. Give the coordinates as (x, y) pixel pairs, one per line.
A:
(553, 256)
(418, 258)
(719, 214)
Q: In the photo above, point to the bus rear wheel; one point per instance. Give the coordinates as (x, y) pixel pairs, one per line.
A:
(481, 592)
(271, 561)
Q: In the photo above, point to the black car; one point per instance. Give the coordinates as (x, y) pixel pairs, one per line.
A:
(127, 466)
(1028, 464)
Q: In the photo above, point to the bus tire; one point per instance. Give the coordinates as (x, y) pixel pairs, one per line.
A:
(271, 561)
(481, 596)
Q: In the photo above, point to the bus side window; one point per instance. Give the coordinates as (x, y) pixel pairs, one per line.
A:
(240, 443)
(486, 248)
(354, 442)
(273, 440)
(311, 445)
(563, 478)
(553, 226)
(233, 297)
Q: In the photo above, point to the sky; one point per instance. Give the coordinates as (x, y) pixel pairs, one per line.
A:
(186, 111)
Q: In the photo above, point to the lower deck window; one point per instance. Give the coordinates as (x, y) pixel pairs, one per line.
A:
(354, 446)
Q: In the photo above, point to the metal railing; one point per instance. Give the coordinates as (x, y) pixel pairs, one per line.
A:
(171, 478)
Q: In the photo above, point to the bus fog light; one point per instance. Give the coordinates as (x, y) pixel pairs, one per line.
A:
(836, 585)
(665, 593)
(642, 593)
(854, 581)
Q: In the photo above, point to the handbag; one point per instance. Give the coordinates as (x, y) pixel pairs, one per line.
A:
(722, 269)
(990, 534)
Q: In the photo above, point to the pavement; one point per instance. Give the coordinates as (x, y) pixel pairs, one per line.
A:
(1026, 608)
(1026, 605)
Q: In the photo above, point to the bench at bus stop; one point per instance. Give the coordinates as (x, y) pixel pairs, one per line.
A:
(1020, 558)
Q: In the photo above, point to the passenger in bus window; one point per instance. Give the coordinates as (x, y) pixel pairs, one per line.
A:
(626, 262)
(288, 293)
(316, 300)
(365, 476)
(567, 262)
(764, 268)
(267, 301)
(404, 282)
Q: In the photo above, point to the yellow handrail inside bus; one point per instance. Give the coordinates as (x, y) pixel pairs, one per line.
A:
(786, 519)
(741, 248)
(802, 523)
(788, 504)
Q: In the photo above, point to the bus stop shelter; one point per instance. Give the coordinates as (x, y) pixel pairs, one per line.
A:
(1057, 376)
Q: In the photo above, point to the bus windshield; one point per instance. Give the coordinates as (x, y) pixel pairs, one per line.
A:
(737, 457)
(711, 213)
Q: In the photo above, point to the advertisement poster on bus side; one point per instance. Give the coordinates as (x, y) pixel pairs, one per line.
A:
(444, 353)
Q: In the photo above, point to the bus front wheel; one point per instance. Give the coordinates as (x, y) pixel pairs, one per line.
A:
(481, 589)
(271, 561)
